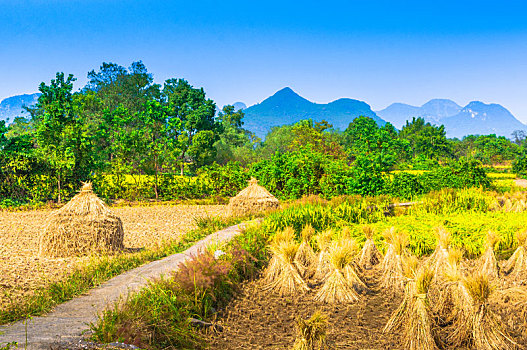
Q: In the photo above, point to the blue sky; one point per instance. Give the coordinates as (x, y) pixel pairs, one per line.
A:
(377, 51)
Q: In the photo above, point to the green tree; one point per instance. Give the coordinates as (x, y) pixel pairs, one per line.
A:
(425, 139)
(234, 142)
(377, 146)
(196, 114)
(57, 132)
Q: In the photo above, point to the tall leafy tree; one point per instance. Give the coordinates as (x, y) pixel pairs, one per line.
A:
(56, 128)
(425, 139)
(196, 113)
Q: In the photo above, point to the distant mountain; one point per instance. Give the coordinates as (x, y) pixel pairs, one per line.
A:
(432, 111)
(12, 107)
(239, 105)
(287, 107)
(479, 118)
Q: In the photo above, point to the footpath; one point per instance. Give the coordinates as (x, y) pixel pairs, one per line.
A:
(68, 321)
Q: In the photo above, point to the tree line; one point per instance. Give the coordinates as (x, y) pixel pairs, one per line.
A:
(124, 124)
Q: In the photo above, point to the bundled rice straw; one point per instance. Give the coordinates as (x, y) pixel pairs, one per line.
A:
(486, 332)
(82, 226)
(439, 257)
(273, 269)
(487, 262)
(252, 199)
(444, 293)
(413, 317)
(311, 332)
(516, 266)
(369, 255)
(283, 277)
(305, 258)
(323, 265)
(392, 274)
(337, 288)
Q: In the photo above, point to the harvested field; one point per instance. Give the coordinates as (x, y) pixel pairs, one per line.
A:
(260, 320)
(263, 320)
(22, 271)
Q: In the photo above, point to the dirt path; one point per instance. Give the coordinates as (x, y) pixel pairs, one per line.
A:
(69, 320)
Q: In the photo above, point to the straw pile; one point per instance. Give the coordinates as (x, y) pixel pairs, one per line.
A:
(311, 333)
(482, 326)
(252, 199)
(82, 226)
(369, 255)
(414, 317)
(339, 284)
(282, 276)
(392, 265)
(487, 261)
(305, 258)
(516, 266)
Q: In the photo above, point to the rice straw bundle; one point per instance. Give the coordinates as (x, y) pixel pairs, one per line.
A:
(486, 331)
(252, 199)
(305, 258)
(284, 278)
(413, 317)
(516, 266)
(350, 272)
(393, 275)
(370, 255)
(390, 250)
(487, 262)
(273, 268)
(311, 332)
(439, 257)
(323, 266)
(83, 226)
(337, 288)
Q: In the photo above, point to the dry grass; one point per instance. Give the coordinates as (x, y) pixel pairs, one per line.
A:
(311, 332)
(22, 271)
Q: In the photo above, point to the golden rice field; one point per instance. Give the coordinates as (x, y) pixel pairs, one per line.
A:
(22, 271)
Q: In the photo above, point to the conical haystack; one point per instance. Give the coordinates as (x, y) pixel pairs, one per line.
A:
(84, 225)
(252, 199)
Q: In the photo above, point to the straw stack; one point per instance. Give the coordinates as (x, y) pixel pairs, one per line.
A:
(252, 199)
(84, 225)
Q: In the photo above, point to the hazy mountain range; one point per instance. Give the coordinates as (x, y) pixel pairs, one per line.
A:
(13, 107)
(476, 118)
(287, 107)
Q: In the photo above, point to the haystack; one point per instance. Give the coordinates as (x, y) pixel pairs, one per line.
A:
(252, 199)
(82, 226)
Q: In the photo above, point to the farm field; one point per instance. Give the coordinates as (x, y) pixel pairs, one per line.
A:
(272, 319)
(447, 273)
(22, 271)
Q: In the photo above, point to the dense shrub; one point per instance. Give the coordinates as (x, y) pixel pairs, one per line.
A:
(519, 165)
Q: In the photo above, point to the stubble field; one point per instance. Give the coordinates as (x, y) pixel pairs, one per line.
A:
(22, 271)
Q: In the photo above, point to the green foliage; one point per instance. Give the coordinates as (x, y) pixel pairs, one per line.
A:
(519, 165)
(425, 139)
